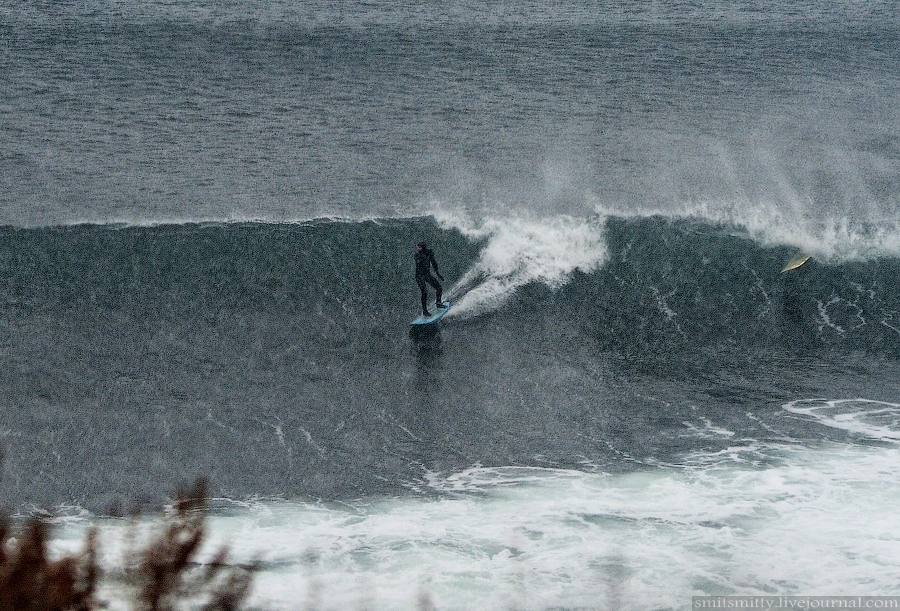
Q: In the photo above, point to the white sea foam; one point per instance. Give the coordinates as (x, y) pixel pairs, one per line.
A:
(522, 250)
(875, 419)
(507, 537)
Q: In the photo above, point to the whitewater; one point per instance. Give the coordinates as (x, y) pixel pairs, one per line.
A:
(208, 212)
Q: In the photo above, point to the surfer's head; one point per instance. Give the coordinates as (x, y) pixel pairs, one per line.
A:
(421, 246)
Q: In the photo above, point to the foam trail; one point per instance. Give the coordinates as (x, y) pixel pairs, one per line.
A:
(875, 419)
(521, 251)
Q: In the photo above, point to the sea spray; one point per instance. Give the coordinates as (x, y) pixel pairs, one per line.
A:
(519, 251)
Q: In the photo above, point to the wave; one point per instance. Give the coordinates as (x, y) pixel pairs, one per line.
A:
(625, 281)
(278, 358)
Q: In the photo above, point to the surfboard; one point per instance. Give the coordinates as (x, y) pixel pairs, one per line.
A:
(436, 314)
(796, 262)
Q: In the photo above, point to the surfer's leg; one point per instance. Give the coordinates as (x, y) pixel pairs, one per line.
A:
(438, 289)
(421, 283)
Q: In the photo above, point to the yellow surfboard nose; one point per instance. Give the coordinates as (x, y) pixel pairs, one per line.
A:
(795, 262)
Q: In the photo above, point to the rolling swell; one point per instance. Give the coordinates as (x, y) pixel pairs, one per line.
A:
(277, 360)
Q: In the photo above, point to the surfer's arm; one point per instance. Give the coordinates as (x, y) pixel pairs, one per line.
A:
(435, 266)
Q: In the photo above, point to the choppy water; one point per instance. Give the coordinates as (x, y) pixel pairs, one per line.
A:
(208, 211)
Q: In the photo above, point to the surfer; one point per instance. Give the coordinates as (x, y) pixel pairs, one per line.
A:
(424, 262)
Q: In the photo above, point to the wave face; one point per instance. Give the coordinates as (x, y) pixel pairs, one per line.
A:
(277, 358)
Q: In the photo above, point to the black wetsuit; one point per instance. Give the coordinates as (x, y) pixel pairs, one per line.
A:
(424, 262)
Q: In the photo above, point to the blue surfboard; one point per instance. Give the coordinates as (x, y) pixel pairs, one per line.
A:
(436, 314)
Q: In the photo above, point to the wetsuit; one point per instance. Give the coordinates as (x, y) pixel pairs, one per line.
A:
(424, 262)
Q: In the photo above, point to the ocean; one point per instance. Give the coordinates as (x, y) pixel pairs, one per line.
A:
(208, 212)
